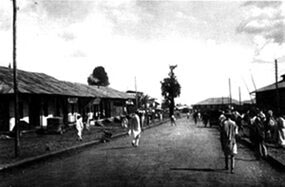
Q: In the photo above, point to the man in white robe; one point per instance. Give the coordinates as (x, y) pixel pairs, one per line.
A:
(79, 127)
(135, 129)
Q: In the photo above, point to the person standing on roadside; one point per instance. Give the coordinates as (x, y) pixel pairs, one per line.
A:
(173, 120)
(229, 130)
(271, 127)
(79, 126)
(195, 116)
(281, 131)
(188, 115)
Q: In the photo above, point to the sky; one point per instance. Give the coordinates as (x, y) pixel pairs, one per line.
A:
(211, 42)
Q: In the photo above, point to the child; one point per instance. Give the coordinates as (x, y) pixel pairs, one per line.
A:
(172, 120)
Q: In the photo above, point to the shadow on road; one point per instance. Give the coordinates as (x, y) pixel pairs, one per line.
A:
(247, 159)
(198, 169)
(122, 147)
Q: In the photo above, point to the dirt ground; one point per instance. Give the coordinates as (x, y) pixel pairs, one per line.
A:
(182, 155)
(33, 144)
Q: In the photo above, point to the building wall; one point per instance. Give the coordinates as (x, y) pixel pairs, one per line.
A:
(4, 114)
(117, 107)
(267, 100)
(36, 109)
(23, 112)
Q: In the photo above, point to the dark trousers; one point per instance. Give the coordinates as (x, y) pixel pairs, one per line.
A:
(232, 160)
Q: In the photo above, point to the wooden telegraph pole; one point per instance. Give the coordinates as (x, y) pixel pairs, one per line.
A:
(277, 88)
(172, 77)
(16, 101)
(230, 91)
(239, 94)
(137, 104)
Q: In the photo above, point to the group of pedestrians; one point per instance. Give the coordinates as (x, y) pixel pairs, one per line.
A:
(263, 127)
(132, 122)
(207, 117)
(275, 129)
(134, 126)
(268, 128)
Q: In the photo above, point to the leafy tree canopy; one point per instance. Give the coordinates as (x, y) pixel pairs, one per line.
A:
(98, 77)
(170, 87)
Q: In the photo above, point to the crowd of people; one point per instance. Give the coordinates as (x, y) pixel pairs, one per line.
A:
(261, 124)
(261, 127)
(265, 127)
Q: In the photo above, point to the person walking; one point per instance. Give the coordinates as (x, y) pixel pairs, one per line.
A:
(229, 130)
(134, 129)
(259, 134)
(79, 127)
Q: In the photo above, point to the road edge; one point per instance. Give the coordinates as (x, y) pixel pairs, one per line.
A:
(66, 151)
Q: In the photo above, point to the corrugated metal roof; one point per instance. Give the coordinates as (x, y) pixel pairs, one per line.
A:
(217, 101)
(40, 83)
(281, 84)
(112, 93)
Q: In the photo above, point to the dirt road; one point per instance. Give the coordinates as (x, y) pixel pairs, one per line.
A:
(182, 155)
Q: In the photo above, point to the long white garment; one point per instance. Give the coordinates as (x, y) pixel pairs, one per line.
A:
(134, 126)
(230, 131)
(79, 127)
(281, 131)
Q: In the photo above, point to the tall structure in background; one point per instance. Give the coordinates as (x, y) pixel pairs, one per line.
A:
(239, 94)
(172, 77)
(137, 104)
(277, 88)
(16, 104)
(230, 91)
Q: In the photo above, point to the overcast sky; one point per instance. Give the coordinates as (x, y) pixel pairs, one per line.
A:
(209, 41)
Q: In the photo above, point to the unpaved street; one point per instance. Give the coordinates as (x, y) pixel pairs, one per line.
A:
(182, 155)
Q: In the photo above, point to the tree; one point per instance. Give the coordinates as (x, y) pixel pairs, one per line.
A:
(99, 77)
(143, 101)
(170, 89)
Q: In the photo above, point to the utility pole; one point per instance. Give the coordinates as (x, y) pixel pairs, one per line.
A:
(172, 77)
(252, 102)
(253, 82)
(277, 89)
(239, 94)
(136, 93)
(230, 91)
(16, 102)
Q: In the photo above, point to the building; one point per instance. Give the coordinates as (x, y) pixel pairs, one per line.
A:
(215, 103)
(42, 96)
(269, 97)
